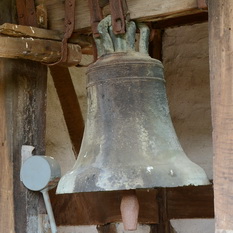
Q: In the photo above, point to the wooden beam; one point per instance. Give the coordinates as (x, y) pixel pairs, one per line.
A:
(164, 221)
(22, 110)
(190, 202)
(199, 17)
(221, 79)
(100, 208)
(139, 10)
(104, 207)
(46, 51)
(14, 30)
(70, 105)
(28, 31)
(6, 166)
(23, 95)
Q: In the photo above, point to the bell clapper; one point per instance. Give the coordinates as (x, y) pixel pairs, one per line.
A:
(129, 210)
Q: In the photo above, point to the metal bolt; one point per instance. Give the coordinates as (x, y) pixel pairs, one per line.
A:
(41, 19)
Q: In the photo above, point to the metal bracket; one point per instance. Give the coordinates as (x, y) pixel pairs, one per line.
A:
(96, 16)
(119, 12)
(27, 16)
(26, 12)
(69, 28)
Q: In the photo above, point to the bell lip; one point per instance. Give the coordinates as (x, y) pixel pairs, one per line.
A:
(121, 57)
(64, 186)
(137, 189)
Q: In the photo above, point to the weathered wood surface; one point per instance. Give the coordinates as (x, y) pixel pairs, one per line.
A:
(190, 202)
(104, 207)
(6, 165)
(46, 51)
(100, 208)
(84, 41)
(28, 31)
(149, 10)
(70, 105)
(221, 78)
(190, 19)
(23, 99)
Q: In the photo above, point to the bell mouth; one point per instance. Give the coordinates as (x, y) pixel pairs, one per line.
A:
(179, 171)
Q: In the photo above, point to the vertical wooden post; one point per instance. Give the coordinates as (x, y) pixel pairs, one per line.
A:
(221, 77)
(22, 109)
(23, 92)
(164, 225)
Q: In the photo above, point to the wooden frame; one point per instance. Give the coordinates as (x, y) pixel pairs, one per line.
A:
(139, 10)
(18, 84)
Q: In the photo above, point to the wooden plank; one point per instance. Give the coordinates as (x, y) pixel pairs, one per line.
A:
(164, 222)
(139, 10)
(100, 208)
(28, 31)
(7, 221)
(24, 84)
(70, 105)
(199, 17)
(6, 166)
(104, 207)
(22, 117)
(14, 30)
(221, 73)
(45, 51)
(26, 90)
(190, 202)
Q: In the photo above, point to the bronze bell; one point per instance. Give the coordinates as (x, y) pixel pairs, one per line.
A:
(129, 141)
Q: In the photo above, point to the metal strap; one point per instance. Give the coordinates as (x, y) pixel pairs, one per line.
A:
(119, 12)
(26, 12)
(69, 28)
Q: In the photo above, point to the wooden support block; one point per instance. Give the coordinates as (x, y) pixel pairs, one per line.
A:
(14, 30)
(46, 51)
(190, 202)
(101, 208)
(190, 19)
(140, 10)
(27, 31)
